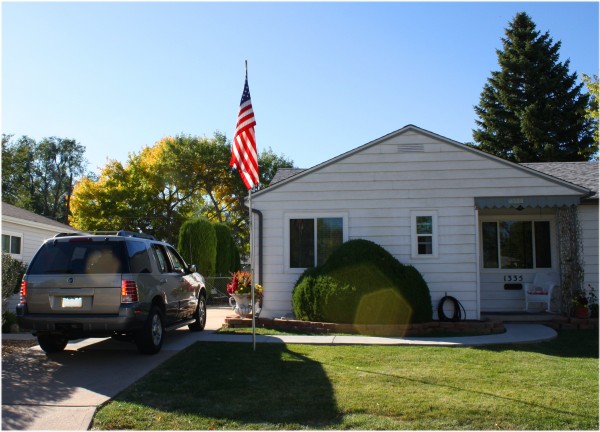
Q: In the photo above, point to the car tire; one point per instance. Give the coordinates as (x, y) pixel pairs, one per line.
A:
(149, 340)
(52, 343)
(199, 315)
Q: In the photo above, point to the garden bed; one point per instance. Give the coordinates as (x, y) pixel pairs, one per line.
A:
(425, 329)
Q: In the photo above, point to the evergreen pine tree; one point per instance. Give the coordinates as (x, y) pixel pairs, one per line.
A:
(532, 109)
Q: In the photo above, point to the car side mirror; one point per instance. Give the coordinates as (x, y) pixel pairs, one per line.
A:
(192, 268)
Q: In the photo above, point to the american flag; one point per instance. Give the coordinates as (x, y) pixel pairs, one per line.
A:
(243, 150)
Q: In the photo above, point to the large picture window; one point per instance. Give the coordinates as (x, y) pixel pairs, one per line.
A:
(312, 240)
(511, 244)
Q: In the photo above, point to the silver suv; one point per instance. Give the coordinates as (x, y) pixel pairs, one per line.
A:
(125, 285)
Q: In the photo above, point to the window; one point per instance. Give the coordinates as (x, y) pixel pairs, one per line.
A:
(161, 258)
(11, 244)
(79, 257)
(312, 240)
(139, 260)
(511, 244)
(176, 261)
(424, 234)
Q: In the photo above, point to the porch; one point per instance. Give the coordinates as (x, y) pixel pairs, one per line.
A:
(553, 320)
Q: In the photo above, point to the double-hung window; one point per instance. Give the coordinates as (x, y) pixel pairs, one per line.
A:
(516, 244)
(313, 239)
(424, 235)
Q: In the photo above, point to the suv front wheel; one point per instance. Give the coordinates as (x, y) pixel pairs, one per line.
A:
(199, 315)
(149, 340)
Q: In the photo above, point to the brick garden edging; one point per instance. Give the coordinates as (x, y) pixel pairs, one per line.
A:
(479, 327)
(573, 324)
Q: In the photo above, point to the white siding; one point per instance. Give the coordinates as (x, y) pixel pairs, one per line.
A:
(33, 236)
(588, 216)
(377, 187)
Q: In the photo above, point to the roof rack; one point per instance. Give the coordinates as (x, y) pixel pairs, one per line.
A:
(123, 233)
(66, 234)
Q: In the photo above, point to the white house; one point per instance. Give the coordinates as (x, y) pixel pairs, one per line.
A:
(476, 226)
(23, 232)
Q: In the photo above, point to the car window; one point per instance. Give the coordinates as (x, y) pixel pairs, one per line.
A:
(161, 258)
(139, 261)
(79, 257)
(176, 260)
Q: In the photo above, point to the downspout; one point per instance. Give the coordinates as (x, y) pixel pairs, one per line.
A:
(260, 243)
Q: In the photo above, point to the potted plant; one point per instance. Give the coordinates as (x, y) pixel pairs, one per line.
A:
(580, 301)
(240, 289)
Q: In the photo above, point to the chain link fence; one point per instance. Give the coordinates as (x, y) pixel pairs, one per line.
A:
(217, 291)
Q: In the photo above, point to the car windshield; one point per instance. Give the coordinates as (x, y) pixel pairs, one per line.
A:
(79, 257)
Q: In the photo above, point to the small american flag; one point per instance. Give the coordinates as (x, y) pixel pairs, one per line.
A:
(243, 150)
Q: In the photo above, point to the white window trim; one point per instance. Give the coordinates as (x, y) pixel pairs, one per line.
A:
(414, 247)
(313, 215)
(520, 218)
(15, 234)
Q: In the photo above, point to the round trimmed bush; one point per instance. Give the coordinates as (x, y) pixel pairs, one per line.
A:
(362, 283)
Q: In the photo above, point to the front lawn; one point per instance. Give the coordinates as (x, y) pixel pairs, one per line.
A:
(549, 385)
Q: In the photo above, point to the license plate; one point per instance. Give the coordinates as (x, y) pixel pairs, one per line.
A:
(72, 302)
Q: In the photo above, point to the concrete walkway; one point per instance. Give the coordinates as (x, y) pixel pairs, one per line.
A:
(62, 391)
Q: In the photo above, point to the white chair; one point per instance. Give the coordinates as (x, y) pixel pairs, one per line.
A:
(540, 290)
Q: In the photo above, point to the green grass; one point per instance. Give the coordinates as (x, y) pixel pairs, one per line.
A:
(549, 385)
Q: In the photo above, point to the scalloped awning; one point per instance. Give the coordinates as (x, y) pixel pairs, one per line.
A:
(527, 201)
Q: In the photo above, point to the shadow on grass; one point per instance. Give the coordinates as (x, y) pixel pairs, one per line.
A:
(568, 344)
(228, 383)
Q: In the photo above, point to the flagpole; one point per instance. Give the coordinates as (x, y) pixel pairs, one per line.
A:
(251, 256)
(252, 273)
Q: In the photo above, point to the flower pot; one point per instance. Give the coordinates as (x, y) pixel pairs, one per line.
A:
(582, 312)
(242, 304)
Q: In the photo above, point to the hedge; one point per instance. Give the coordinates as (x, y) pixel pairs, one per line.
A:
(198, 244)
(228, 257)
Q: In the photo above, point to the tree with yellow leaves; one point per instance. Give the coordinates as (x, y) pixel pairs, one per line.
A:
(162, 186)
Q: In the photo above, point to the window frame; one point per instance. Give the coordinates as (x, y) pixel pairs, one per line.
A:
(314, 216)
(414, 236)
(519, 218)
(12, 234)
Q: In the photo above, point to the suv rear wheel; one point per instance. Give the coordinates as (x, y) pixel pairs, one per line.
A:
(200, 315)
(52, 343)
(149, 340)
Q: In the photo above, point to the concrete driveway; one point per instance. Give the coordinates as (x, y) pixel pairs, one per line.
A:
(62, 391)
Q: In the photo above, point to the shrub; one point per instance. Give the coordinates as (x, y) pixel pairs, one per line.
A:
(362, 283)
(198, 244)
(12, 274)
(227, 261)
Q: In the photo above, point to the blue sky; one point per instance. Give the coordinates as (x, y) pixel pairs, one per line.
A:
(324, 77)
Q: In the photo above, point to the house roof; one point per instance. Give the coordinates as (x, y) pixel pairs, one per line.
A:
(25, 215)
(555, 174)
(579, 173)
(285, 173)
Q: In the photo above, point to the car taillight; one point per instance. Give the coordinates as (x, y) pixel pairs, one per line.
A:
(129, 292)
(23, 293)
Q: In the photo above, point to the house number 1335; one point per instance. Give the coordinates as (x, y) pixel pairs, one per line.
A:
(513, 278)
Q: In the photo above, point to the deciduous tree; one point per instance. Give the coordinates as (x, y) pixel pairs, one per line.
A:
(39, 176)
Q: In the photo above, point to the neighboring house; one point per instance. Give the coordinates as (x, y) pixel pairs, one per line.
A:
(23, 232)
(477, 227)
